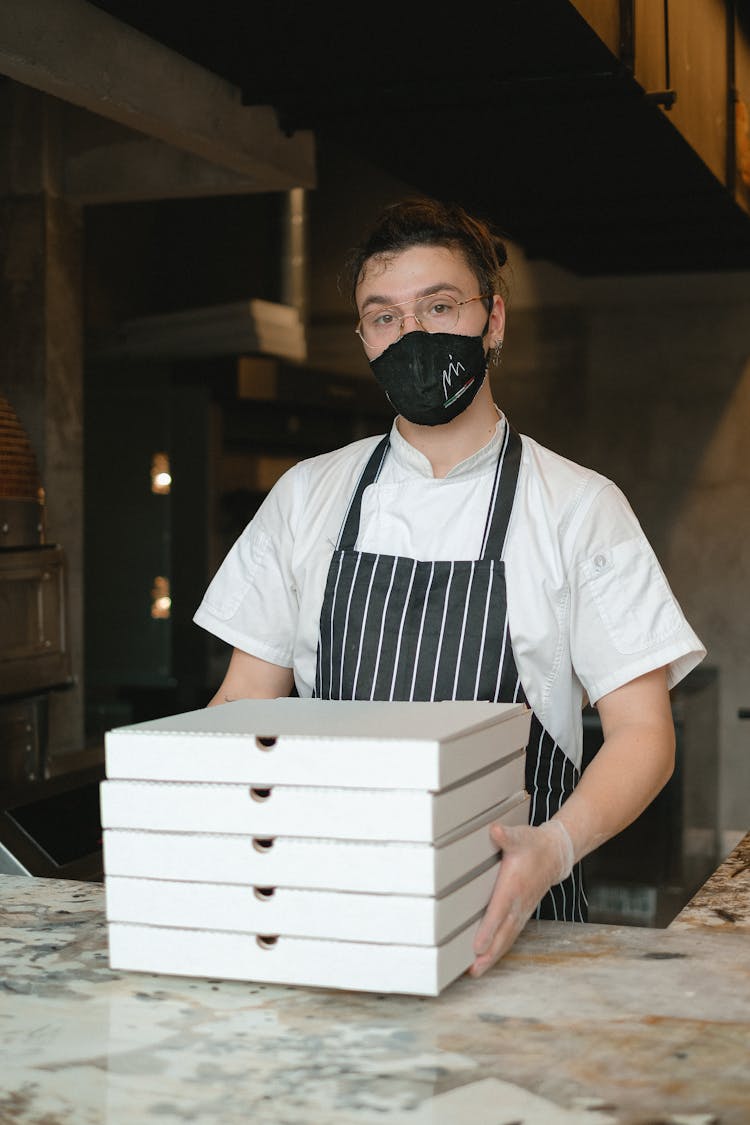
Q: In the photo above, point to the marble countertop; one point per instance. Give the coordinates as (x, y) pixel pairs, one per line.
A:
(594, 1024)
(724, 899)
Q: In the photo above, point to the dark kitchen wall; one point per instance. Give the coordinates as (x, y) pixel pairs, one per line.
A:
(166, 255)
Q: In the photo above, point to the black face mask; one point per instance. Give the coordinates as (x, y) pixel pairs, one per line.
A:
(431, 377)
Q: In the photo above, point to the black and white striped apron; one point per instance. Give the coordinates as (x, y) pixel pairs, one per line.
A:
(396, 628)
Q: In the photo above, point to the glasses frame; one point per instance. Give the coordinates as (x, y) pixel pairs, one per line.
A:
(405, 316)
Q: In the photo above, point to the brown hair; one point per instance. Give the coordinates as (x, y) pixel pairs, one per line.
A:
(421, 221)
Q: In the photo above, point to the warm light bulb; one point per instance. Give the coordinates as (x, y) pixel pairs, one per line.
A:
(161, 602)
(161, 475)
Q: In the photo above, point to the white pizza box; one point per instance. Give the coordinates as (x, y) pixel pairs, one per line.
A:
(293, 810)
(416, 970)
(384, 867)
(321, 742)
(342, 915)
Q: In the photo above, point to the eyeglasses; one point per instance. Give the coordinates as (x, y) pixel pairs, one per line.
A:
(439, 312)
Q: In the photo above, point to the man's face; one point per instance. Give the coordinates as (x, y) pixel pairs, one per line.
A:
(402, 282)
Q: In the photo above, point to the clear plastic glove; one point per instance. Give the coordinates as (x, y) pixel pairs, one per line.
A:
(533, 860)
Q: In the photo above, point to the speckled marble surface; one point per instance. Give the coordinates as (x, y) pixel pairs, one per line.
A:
(724, 900)
(596, 1024)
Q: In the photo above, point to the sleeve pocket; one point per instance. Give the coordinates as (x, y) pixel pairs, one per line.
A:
(240, 569)
(631, 595)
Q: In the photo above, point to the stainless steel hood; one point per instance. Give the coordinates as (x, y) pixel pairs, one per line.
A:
(605, 135)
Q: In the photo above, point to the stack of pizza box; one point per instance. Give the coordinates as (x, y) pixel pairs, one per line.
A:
(338, 844)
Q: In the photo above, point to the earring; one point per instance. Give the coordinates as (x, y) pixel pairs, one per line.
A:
(497, 348)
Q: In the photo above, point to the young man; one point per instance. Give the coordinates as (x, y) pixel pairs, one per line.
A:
(455, 559)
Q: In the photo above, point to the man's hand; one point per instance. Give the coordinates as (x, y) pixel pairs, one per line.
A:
(633, 764)
(533, 860)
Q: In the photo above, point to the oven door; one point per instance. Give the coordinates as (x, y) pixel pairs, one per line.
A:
(34, 653)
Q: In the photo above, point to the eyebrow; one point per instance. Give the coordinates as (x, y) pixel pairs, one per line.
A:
(376, 299)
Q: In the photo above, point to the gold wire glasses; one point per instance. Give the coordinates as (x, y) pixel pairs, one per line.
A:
(438, 312)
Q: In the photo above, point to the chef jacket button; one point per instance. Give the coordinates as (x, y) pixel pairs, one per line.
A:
(600, 562)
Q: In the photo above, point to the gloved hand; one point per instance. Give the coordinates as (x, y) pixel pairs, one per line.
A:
(533, 859)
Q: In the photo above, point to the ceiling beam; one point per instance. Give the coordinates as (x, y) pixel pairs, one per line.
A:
(74, 51)
(143, 169)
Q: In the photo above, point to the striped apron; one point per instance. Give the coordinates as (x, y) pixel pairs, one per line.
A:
(395, 628)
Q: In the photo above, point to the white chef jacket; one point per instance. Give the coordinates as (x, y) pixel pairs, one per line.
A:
(589, 606)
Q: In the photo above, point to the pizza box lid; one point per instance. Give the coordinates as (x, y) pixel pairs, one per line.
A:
(360, 743)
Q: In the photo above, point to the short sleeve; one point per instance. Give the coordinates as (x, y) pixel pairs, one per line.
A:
(625, 619)
(251, 603)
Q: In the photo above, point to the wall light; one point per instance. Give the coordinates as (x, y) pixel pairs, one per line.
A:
(161, 476)
(161, 602)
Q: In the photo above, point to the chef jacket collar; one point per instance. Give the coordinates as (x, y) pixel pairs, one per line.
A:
(409, 459)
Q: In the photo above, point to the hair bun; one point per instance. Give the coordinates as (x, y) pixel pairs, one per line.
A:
(501, 251)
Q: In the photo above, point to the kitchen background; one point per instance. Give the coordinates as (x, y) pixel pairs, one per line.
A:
(174, 336)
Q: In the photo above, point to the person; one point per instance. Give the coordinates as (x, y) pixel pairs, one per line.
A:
(453, 558)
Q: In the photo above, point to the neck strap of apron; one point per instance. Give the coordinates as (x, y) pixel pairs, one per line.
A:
(498, 513)
(370, 473)
(503, 494)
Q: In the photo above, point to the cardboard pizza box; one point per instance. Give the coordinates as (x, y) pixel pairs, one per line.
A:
(379, 867)
(305, 810)
(341, 743)
(418, 970)
(340, 915)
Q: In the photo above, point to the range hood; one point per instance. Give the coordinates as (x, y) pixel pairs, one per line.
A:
(609, 136)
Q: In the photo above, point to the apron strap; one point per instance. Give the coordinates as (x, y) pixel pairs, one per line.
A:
(370, 473)
(503, 495)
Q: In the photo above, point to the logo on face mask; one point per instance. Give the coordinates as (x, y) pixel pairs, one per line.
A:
(452, 372)
(430, 378)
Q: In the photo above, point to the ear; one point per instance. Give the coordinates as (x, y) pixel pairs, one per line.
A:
(496, 326)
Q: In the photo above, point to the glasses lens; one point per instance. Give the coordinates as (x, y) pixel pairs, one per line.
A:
(437, 313)
(380, 327)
